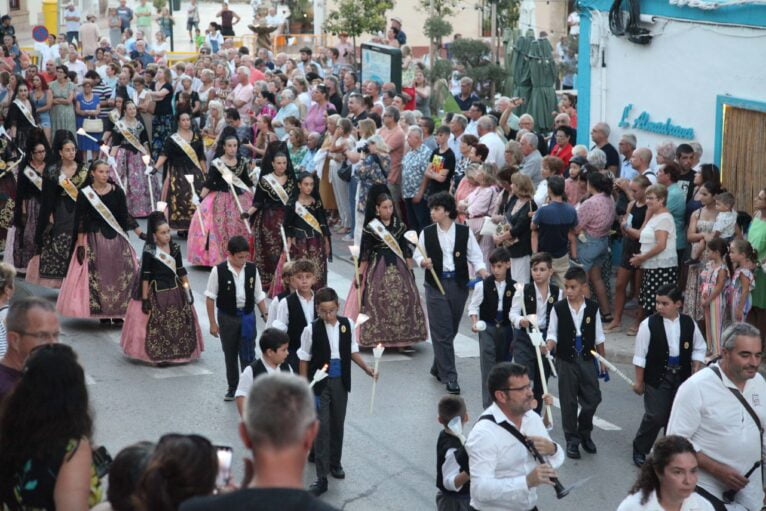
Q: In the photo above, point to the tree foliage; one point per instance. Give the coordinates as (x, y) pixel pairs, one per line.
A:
(436, 28)
(357, 17)
(476, 57)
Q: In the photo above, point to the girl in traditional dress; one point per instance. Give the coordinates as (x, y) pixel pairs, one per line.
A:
(103, 265)
(54, 239)
(184, 154)
(713, 281)
(130, 143)
(9, 160)
(161, 325)
(219, 218)
(276, 188)
(22, 117)
(389, 295)
(308, 236)
(28, 202)
(744, 260)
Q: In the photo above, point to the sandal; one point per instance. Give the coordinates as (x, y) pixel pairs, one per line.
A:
(612, 328)
(631, 332)
(607, 318)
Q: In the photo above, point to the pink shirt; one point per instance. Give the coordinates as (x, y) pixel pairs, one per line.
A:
(596, 215)
(315, 117)
(394, 139)
(244, 93)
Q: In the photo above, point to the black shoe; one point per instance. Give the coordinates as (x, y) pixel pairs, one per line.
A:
(338, 472)
(435, 373)
(318, 487)
(453, 387)
(639, 459)
(589, 446)
(229, 396)
(573, 451)
(311, 456)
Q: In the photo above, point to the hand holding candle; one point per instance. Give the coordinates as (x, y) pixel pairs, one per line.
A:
(354, 249)
(84, 133)
(377, 353)
(412, 237)
(228, 178)
(148, 172)
(319, 375)
(190, 179)
(612, 367)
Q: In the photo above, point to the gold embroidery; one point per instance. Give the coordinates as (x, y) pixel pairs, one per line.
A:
(343, 329)
(686, 345)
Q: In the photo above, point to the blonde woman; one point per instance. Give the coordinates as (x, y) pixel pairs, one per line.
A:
(212, 128)
(478, 204)
(371, 170)
(7, 276)
(518, 236)
(301, 86)
(342, 143)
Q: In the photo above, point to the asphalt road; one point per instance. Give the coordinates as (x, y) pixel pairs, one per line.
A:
(389, 456)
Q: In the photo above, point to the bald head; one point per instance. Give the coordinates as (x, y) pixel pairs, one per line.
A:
(641, 159)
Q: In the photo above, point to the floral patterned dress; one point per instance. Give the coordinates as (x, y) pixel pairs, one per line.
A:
(715, 312)
(736, 296)
(130, 169)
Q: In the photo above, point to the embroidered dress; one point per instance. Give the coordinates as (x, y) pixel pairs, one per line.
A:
(389, 294)
(130, 168)
(101, 286)
(270, 216)
(693, 292)
(170, 332)
(54, 240)
(17, 119)
(735, 295)
(25, 219)
(714, 315)
(220, 216)
(7, 188)
(176, 190)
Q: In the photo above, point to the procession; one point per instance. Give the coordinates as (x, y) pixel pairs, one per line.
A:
(207, 239)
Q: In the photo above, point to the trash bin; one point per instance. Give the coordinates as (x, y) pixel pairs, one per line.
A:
(51, 16)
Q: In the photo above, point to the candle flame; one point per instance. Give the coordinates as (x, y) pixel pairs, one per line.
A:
(324, 368)
(380, 345)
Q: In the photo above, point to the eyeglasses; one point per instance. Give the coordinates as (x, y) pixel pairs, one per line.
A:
(41, 336)
(528, 386)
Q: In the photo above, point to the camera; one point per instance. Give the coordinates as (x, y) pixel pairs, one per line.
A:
(364, 149)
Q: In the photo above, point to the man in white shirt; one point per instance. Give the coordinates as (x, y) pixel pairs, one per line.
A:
(457, 126)
(641, 160)
(669, 347)
(504, 474)
(72, 18)
(707, 410)
(486, 128)
(74, 63)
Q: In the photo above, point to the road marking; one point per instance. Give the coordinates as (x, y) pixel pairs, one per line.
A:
(162, 373)
(597, 421)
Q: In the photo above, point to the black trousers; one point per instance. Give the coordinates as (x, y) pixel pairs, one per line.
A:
(657, 404)
(328, 446)
(230, 332)
(578, 385)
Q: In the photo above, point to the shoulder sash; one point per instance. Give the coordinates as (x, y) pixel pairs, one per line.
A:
(104, 211)
(226, 171)
(68, 186)
(129, 136)
(165, 259)
(186, 148)
(381, 232)
(307, 217)
(271, 180)
(34, 177)
(24, 110)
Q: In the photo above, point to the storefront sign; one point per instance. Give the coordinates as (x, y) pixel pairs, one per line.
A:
(644, 123)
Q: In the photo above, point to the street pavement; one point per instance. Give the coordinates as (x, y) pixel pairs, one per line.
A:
(389, 455)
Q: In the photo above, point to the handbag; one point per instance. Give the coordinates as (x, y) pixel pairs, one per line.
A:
(344, 172)
(488, 228)
(93, 125)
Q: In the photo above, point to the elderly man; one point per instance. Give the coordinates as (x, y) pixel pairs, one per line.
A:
(312, 143)
(279, 427)
(640, 160)
(74, 63)
(31, 322)
(527, 122)
(532, 164)
(393, 136)
(428, 126)
(414, 165)
(600, 136)
(487, 129)
(504, 471)
(241, 97)
(626, 146)
(141, 54)
(475, 112)
(666, 152)
(721, 410)
(467, 96)
(89, 36)
(457, 128)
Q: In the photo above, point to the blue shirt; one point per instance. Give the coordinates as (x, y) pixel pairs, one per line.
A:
(677, 207)
(554, 221)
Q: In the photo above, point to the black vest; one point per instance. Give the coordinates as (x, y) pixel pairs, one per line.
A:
(460, 254)
(320, 352)
(446, 442)
(296, 321)
(565, 335)
(259, 368)
(530, 299)
(657, 355)
(227, 291)
(488, 307)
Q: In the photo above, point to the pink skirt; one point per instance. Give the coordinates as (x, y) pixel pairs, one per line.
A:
(220, 215)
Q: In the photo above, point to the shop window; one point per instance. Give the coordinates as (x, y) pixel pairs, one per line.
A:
(743, 144)
(14, 5)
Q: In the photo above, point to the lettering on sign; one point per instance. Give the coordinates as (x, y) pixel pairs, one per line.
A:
(644, 123)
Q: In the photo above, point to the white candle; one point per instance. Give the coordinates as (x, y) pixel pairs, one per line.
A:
(612, 367)
(319, 375)
(377, 353)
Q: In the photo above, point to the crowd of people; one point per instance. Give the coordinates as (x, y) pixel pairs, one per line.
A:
(258, 161)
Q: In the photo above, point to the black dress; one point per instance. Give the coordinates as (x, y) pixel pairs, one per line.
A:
(176, 190)
(307, 242)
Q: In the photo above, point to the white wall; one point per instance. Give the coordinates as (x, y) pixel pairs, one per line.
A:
(678, 75)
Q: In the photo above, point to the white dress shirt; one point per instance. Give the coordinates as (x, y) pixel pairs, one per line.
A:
(454, 144)
(333, 335)
(541, 193)
(577, 316)
(496, 148)
(693, 502)
(273, 309)
(717, 424)
(450, 470)
(478, 297)
(239, 285)
(516, 314)
(500, 463)
(447, 243)
(283, 313)
(246, 378)
(673, 335)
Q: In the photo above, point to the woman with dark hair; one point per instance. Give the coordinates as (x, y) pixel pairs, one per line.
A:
(45, 436)
(389, 294)
(130, 142)
(320, 108)
(478, 153)
(161, 325)
(54, 236)
(124, 473)
(88, 109)
(265, 135)
(181, 467)
(28, 202)
(517, 235)
(275, 190)
(219, 217)
(563, 147)
(596, 216)
(22, 119)
(41, 97)
(162, 122)
(700, 230)
(707, 172)
(103, 265)
(667, 480)
(62, 112)
(182, 155)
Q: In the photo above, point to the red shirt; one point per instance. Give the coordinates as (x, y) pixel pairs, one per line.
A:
(565, 153)
(48, 77)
